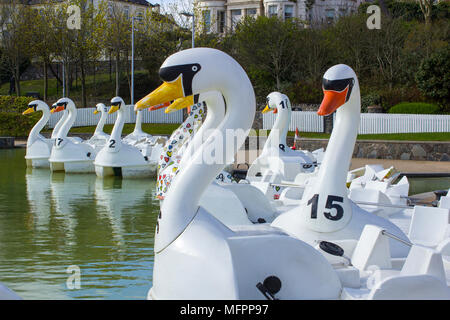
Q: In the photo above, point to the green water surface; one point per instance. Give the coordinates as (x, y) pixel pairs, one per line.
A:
(49, 222)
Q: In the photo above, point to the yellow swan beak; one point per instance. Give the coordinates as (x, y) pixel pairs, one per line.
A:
(95, 111)
(266, 109)
(29, 110)
(180, 103)
(113, 109)
(168, 91)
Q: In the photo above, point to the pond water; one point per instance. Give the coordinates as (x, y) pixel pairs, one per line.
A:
(49, 222)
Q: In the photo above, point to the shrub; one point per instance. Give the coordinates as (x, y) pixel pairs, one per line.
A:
(391, 97)
(305, 92)
(433, 76)
(14, 104)
(370, 99)
(12, 122)
(415, 107)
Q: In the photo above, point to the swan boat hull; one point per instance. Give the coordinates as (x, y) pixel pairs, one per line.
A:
(41, 163)
(127, 162)
(144, 171)
(38, 152)
(73, 158)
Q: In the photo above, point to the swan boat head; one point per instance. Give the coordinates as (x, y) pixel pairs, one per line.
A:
(100, 107)
(276, 142)
(116, 104)
(64, 104)
(273, 99)
(325, 206)
(36, 105)
(99, 137)
(338, 84)
(186, 73)
(326, 212)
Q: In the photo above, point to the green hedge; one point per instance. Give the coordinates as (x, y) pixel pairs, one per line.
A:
(415, 107)
(12, 122)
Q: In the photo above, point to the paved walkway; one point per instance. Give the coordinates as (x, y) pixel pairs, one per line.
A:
(408, 166)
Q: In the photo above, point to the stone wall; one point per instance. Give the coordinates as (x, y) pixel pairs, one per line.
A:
(373, 149)
(386, 149)
(6, 142)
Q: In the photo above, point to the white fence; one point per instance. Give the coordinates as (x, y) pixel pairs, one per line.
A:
(305, 121)
(86, 117)
(371, 123)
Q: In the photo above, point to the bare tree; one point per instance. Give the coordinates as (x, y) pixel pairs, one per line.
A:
(118, 37)
(15, 34)
(174, 9)
(425, 7)
(43, 42)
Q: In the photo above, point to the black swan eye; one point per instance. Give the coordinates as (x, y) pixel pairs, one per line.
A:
(188, 71)
(339, 85)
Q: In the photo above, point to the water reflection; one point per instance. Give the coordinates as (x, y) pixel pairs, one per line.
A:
(51, 221)
(115, 197)
(38, 195)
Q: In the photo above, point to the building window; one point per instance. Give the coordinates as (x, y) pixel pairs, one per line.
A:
(207, 20)
(288, 12)
(342, 12)
(329, 13)
(221, 21)
(126, 12)
(251, 12)
(139, 14)
(273, 11)
(235, 17)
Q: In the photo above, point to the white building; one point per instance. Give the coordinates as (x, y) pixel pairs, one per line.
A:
(223, 15)
(130, 8)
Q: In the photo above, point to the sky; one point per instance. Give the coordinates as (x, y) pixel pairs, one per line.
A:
(174, 7)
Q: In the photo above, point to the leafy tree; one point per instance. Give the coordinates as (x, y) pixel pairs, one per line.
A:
(15, 35)
(426, 7)
(88, 39)
(117, 37)
(387, 44)
(265, 44)
(433, 76)
(156, 38)
(351, 38)
(43, 42)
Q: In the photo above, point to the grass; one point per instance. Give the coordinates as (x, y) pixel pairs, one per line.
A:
(101, 89)
(168, 128)
(422, 136)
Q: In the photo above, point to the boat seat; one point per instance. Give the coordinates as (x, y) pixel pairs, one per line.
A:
(372, 249)
(444, 202)
(374, 196)
(422, 277)
(423, 260)
(428, 225)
